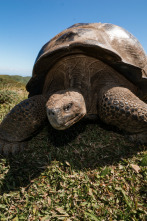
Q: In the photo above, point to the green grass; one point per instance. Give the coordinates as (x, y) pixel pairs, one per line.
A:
(88, 172)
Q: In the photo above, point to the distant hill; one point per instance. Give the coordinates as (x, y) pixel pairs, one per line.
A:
(14, 79)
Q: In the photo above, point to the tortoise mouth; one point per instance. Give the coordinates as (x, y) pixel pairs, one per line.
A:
(74, 120)
(68, 123)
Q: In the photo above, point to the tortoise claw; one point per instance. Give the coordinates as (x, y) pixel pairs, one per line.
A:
(9, 148)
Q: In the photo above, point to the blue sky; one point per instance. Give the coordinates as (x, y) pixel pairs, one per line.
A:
(26, 25)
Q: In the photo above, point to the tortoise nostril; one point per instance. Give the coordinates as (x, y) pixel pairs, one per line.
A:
(51, 112)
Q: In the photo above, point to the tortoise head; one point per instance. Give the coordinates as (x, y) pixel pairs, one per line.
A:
(64, 108)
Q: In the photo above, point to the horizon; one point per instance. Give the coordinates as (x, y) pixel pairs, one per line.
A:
(28, 25)
(12, 74)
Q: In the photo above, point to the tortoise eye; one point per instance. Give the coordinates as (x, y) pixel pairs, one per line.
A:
(67, 107)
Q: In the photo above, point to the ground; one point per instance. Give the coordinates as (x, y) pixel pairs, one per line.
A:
(88, 172)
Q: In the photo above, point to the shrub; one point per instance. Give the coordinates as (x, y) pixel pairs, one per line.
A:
(7, 96)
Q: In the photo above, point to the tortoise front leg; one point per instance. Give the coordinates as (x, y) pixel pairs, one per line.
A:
(21, 122)
(118, 106)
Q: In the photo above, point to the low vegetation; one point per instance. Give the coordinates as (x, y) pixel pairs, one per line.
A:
(15, 80)
(88, 172)
(12, 91)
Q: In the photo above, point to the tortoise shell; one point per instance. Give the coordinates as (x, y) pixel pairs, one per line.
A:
(107, 42)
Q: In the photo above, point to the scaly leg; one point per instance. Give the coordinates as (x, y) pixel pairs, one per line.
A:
(118, 106)
(21, 122)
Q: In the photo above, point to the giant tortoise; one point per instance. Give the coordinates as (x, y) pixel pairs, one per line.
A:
(98, 69)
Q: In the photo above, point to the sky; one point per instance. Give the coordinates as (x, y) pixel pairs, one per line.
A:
(26, 25)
